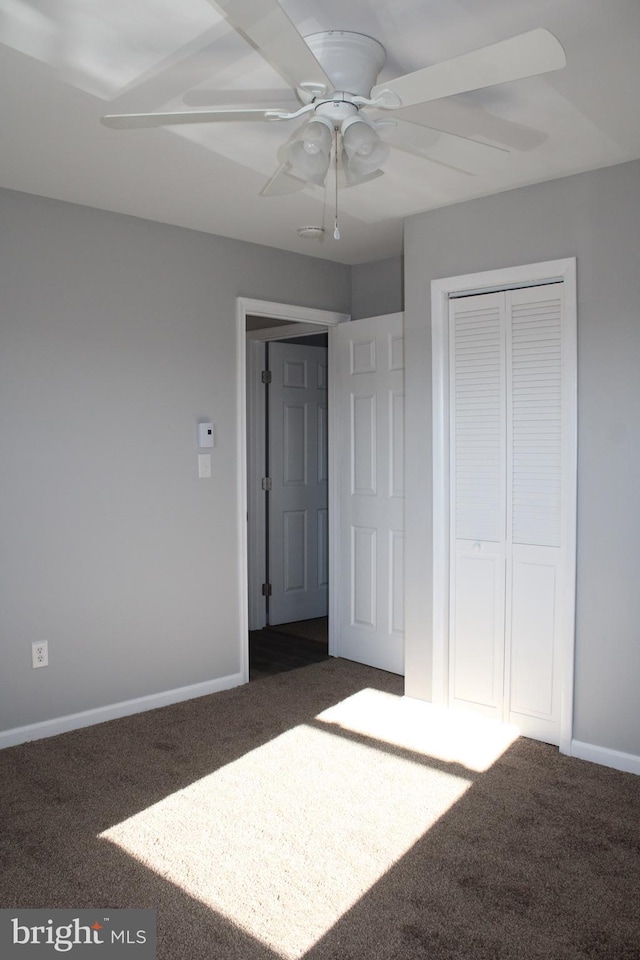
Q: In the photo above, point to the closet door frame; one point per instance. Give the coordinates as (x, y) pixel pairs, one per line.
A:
(490, 281)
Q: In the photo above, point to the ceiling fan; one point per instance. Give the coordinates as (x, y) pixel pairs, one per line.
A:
(346, 114)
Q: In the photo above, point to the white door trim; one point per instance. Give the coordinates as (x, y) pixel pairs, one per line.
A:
(300, 315)
(256, 455)
(286, 332)
(441, 291)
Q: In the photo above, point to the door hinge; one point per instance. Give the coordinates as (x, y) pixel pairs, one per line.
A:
(266, 589)
(266, 483)
(266, 376)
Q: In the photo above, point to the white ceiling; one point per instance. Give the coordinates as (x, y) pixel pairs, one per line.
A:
(65, 63)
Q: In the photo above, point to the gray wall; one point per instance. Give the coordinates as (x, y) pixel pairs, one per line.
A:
(377, 288)
(596, 218)
(116, 335)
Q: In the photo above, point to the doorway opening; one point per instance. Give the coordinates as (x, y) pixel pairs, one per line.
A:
(294, 465)
(287, 564)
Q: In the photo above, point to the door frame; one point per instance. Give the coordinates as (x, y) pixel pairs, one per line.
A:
(304, 320)
(486, 282)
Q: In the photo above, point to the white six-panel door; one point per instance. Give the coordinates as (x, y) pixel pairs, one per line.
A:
(506, 482)
(370, 451)
(298, 469)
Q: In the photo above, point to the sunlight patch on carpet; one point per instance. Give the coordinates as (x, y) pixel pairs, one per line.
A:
(285, 840)
(429, 731)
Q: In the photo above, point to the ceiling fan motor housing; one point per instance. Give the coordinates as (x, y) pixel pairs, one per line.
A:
(352, 61)
(336, 110)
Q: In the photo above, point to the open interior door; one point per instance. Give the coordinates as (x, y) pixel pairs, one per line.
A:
(369, 369)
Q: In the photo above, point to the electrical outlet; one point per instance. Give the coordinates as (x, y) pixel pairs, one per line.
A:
(40, 653)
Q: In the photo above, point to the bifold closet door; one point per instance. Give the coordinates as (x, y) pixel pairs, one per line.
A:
(506, 397)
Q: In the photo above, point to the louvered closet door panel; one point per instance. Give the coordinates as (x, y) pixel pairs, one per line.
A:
(536, 414)
(478, 417)
(478, 494)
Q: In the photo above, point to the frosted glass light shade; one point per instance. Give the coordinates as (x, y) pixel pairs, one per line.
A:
(310, 153)
(364, 150)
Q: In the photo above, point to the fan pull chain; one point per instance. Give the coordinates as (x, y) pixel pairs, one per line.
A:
(336, 228)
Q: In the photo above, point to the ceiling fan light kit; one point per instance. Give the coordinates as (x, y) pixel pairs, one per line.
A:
(334, 76)
(363, 152)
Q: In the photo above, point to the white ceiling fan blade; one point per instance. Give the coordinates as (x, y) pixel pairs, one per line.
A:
(254, 99)
(268, 28)
(418, 152)
(462, 154)
(127, 121)
(472, 121)
(423, 131)
(346, 178)
(282, 182)
(525, 55)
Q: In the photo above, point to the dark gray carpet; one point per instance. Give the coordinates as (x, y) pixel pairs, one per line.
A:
(539, 858)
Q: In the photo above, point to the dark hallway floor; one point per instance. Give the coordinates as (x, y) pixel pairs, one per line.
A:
(277, 649)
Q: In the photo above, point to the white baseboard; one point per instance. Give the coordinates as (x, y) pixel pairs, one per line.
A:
(51, 728)
(627, 762)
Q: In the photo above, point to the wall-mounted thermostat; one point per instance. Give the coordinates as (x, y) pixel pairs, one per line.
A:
(205, 435)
